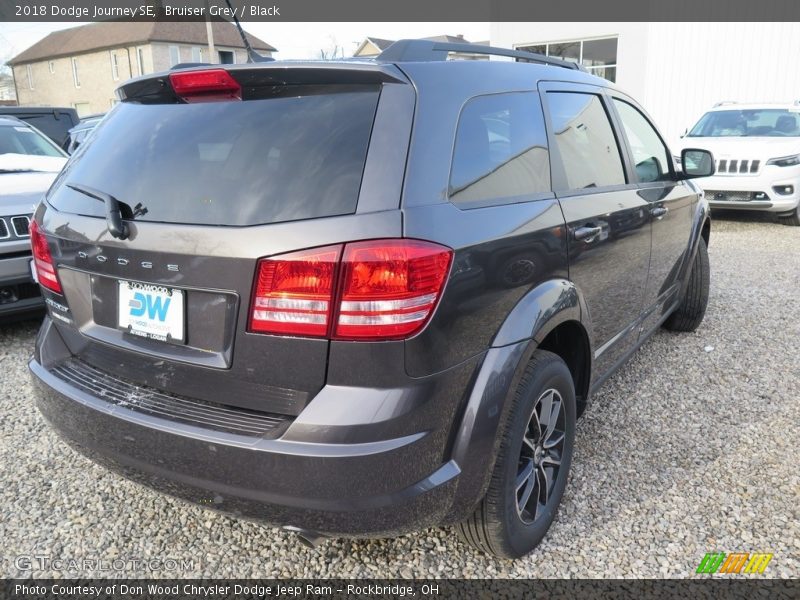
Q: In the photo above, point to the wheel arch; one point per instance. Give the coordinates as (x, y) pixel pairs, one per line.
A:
(705, 233)
(701, 228)
(553, 317)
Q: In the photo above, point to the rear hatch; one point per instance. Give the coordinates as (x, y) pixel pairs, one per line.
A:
(212, 172)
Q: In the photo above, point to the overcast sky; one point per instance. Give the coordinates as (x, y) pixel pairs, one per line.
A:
(293, 40)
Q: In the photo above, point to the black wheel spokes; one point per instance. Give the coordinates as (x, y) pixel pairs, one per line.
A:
(550, 412)
(540, 457)
(526, 487)
(532, 436)
(545, 475)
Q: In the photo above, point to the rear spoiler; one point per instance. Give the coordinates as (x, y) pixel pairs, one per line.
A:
(156, 88)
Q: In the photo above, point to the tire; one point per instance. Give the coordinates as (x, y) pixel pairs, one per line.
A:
(692, 309)
(498, 526)
(793, 219)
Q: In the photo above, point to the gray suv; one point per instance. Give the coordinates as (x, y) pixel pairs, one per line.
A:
(361, 298)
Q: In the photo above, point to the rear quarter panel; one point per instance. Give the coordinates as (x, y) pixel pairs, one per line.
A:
(488, 241)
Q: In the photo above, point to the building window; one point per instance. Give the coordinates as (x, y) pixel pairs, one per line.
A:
(197, 54)
(227, 57)
(114, 66)
(30, 76)
(140, 60)
(75, 78)
(599, 56)
(52, 66)
(83, 108)
(174, 55)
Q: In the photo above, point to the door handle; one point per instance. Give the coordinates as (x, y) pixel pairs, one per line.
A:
(586, 233)
(659, 211)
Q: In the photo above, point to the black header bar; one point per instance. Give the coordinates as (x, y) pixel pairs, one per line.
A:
(401, 10)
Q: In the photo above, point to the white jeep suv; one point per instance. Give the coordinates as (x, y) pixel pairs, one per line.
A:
(757, 153)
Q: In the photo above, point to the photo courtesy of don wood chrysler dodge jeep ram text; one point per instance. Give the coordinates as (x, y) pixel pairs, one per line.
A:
(361, 298)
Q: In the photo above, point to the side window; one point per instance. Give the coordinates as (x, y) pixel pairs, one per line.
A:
(585, 140)
(501, 149)
(650, 155)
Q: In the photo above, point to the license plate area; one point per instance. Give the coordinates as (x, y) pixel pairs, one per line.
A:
(150, 311)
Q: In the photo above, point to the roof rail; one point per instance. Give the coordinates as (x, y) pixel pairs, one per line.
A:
(427, 50)
(725, 103)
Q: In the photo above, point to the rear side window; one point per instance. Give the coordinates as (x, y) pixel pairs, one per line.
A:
(500, 150)
(585, 140)
(298, 155)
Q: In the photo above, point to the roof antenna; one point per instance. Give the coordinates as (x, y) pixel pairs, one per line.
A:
(252, 55)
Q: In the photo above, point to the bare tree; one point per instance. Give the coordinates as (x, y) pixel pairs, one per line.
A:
(332, 49)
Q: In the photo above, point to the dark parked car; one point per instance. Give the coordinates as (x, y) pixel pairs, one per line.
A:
(54, 122)
(29, 162)
(81, 131)
(338, 296)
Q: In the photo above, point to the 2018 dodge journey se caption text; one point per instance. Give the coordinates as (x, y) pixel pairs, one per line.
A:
(361, 298)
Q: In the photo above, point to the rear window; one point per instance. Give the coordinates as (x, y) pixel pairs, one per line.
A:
(298, 155)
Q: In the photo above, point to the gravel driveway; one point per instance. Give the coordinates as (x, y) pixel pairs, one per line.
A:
(691, 448)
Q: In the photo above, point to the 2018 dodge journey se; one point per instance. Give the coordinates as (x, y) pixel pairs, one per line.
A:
(361, 298)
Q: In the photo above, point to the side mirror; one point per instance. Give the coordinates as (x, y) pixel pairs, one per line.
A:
(697, 163)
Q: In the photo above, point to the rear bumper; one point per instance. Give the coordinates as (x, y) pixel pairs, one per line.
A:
(380, 487)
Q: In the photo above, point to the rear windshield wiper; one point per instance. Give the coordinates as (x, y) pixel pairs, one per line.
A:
(115, 210)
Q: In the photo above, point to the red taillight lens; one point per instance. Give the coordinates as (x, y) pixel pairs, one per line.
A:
(383, 289)
(45, 267)
(294, 293)
(389, 287)
(206, 86)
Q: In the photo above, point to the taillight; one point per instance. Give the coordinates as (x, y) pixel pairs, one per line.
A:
(293, 292)
(389, 287)
(373, 290)
(205, 86)
(45, 267)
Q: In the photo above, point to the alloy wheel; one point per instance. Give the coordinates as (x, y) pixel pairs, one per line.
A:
(540, 457)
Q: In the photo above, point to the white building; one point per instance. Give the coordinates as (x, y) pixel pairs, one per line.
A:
(675, 70)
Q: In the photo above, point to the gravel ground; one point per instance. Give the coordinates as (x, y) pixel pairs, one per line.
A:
(691, 448)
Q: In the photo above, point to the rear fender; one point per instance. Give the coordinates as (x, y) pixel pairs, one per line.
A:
(541, 310)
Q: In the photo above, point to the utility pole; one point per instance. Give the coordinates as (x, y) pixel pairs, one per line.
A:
(210, 34)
